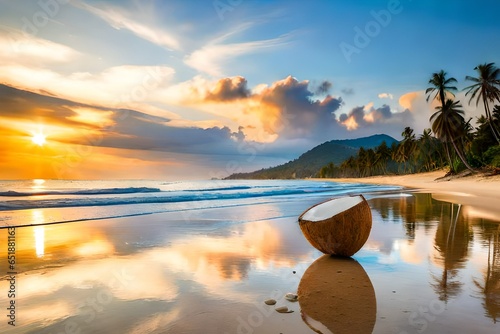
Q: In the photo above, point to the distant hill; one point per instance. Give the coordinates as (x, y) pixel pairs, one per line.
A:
(309, 163)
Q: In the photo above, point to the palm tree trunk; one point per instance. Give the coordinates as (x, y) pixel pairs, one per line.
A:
(447, 149)
(461, 156)
(490, 119)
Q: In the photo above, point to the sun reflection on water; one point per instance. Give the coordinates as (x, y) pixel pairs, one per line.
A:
(39, 232)
(38, 184)
(40, 241)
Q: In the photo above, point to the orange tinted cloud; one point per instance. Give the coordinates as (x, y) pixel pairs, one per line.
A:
(407, 100)
(288, 108)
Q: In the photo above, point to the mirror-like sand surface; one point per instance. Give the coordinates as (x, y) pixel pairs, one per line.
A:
(428, 267)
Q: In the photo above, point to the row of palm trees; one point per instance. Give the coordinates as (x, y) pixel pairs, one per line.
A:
(448, 123)
(410, 155)
(451, 141)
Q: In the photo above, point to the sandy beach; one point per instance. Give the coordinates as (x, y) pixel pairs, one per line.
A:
(481, 192)
(427, 266)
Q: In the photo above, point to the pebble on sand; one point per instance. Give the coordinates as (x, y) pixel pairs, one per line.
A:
(283, 309)
(291, 297)
(270, 302)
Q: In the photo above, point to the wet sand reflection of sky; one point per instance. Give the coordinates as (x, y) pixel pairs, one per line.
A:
(420, 252)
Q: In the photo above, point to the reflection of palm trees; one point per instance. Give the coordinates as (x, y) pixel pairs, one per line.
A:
(452, 242)
(491, 285)
(413, 211)
(408, 212)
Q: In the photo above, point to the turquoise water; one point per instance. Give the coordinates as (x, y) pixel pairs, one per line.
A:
(63, 201)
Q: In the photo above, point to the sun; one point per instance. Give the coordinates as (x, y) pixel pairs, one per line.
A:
(38, 139)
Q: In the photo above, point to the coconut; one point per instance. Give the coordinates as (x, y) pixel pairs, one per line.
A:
(337, 296)
(338, 226)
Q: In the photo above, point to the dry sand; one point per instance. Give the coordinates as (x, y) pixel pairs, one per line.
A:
(480, 192)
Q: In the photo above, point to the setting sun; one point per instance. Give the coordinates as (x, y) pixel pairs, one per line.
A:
(38, 139)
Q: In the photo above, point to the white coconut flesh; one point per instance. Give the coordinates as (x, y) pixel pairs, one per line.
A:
(331, 208)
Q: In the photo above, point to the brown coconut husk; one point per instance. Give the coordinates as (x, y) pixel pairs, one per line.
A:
(343, 234)
(337, 294)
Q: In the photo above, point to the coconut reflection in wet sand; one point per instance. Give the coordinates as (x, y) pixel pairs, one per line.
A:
(337, 296)
(428, 266)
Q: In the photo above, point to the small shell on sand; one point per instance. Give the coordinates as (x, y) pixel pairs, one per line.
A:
(283, 309)
(270, 302)
(291, 297)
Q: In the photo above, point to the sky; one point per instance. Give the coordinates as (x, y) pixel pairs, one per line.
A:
(202, 89)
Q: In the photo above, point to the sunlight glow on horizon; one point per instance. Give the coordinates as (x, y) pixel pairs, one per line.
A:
(212, 87)
(39, 138)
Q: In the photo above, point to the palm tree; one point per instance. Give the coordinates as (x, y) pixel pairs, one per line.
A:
(483, 139)
(348, 166)
(496, 113)
(426, 150)
(486, 87)
(441, 87)
(407, 147)
(362, 161)
(448, 125)
(383, 153)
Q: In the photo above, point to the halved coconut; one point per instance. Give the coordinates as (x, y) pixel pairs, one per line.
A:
(337, 296)
(338, 226)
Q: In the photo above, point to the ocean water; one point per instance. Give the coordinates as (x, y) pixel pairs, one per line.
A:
(36, 202)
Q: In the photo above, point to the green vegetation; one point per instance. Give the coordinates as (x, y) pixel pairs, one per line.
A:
(451, 141)
(310, 163)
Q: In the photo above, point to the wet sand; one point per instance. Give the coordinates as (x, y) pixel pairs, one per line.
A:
(428, 266)
(483, 193)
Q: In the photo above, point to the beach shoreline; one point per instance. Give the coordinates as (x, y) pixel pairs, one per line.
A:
(478, 191)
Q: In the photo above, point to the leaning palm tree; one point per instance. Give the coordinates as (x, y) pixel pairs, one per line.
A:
(448, 124)
(496, 113)
(441, 87)
(486, 88)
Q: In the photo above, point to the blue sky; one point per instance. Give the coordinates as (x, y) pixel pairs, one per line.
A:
(274, 78)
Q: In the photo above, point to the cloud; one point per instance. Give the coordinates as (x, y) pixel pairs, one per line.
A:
(119, 18)
(292, 112)
(368, 106)
(287, 109)
(348, 91)
(370, 120)
(380, 114)
(421, 110)
(81, 137)
(385, 96)
(353, 119)
(39, 65)
(200, 90)
(324, 88)
(120, 86)
(116, 128)
(408, 100)
(228, 89)
(211, 58)
(18, 47)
